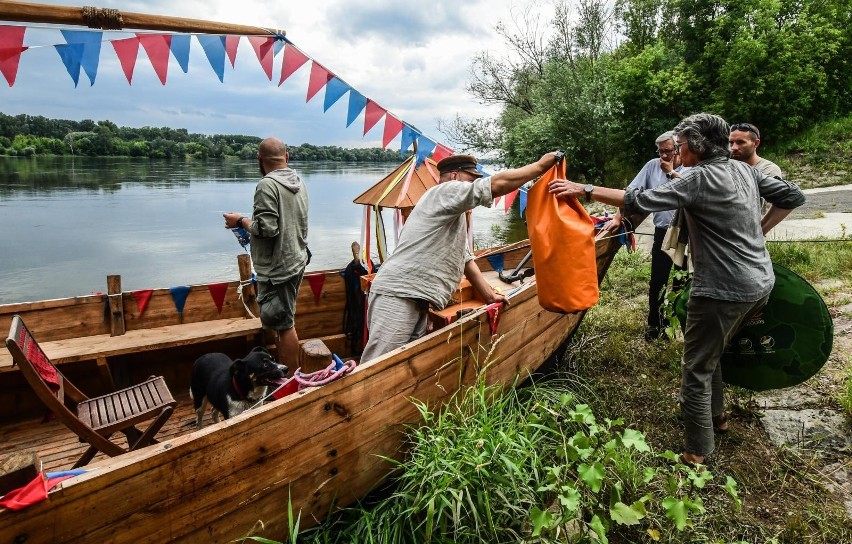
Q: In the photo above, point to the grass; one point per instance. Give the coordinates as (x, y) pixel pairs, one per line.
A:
(845, 395)
(817, 157)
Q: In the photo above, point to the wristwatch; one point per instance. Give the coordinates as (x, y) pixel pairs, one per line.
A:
(671, 174)
(588, 189)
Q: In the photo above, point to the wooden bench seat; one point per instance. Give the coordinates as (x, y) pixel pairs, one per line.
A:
(103, 346)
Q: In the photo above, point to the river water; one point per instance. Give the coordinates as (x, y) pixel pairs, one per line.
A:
(68, 222)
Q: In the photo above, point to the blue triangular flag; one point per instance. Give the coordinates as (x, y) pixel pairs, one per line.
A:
(334, 89)
(425, 146)
(277, 45)
(179, 295)
(180, 50)
(522, 199)
(71, 55)
(409, 136)
(91, 55)
(496, 261)
(357, 102)
(242, 236)
(214, 48)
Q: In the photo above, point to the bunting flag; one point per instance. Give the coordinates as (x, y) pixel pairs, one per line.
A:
(180, 50)
(357, 103)
(264, 49)
(71, 54)
(441, 152)
(409, 136)
(231, 45)
(11, 47)
(319, 78)
(393, 126)
(522, 201)
(214, 48)
(158, 47)
(372, 115)
(334, 90)
(90, 54)
(142, 297)
(508, 199)
(494, 311)
(496, 262)
(179, 295)
(217, 291)
(127, 50)
(36, 491)
(425, 146)
(293, 60)
(316, 281)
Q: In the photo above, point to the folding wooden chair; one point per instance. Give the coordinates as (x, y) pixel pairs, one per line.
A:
(94, 420)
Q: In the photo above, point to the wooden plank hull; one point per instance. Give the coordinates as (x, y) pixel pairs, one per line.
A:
(321, 448)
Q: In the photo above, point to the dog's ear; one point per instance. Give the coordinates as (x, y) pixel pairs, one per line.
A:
(261, 349)
(237, 366)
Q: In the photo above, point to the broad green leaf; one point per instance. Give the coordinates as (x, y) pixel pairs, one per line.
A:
(700, 477)
(626, 515)
(648, 474)
(569, 498)
(540, 520)
(634, 439)
(731, 488)
(598, 527)
(696, 506)
(669, 455)
(592, 475)
(675, 511)
(566, 398)
(582, 413)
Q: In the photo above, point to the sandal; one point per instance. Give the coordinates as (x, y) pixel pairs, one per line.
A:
(691, 464)
(720, 423)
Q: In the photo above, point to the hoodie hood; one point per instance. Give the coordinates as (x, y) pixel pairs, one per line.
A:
(286, 177)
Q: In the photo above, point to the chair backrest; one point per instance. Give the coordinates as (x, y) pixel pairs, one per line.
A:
(47, 381)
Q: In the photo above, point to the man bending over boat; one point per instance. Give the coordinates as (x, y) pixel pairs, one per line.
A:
(432, 253)
(720, 198)
(279, 249)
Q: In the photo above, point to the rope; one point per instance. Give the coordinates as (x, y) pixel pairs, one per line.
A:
(240, 294)
(322, 377)
(102, 18)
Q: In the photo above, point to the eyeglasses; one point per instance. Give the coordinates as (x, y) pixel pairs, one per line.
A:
(662, 152)
(677, 146)
(745, 127)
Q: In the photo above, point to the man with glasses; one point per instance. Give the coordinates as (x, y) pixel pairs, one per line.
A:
(655, 173)
(720, 199)
(744, 141)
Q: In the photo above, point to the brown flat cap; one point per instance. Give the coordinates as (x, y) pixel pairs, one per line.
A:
(459, 162)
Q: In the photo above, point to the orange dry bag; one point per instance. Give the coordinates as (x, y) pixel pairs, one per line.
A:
(562, 236)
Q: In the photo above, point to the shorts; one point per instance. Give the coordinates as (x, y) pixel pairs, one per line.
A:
(278, 303)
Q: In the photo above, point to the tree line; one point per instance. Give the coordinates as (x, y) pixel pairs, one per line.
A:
(601, 80)
(29, 135)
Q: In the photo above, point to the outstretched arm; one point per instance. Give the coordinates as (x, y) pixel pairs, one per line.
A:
(563, 188)
(505, 182)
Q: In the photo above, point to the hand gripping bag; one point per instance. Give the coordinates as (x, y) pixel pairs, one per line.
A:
(562, 236)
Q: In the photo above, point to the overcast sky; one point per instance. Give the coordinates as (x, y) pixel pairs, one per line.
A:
(411, 58)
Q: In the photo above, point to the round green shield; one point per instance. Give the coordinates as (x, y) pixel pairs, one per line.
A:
(784, 344)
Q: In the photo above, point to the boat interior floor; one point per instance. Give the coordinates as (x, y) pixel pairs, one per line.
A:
(58, 448)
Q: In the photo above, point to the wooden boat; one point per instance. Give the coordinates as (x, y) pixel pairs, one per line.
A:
(319, 448)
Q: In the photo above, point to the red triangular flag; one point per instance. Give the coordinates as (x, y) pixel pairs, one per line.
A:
(217, 291)
(293, 60)
(231, 45)
(319, 78)
(263, 48)
(11, 47)
(142, 297)
(494, 311)
(441, 152)
(509, 198)
(316, 281)
(393, 126)
(372, 115)
(127, 50)
(158, 47)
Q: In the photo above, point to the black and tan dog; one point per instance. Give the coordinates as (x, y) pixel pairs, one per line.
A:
(232, 387)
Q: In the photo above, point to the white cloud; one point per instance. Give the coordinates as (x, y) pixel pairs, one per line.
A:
(412, 59)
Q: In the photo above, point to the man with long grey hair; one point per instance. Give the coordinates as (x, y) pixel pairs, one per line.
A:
(720, 199)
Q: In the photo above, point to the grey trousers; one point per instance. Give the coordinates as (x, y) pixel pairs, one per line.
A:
(710, 324)
(392, 322)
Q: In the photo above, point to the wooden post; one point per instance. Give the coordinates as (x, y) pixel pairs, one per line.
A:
(314, 355)
(249, 291)
(116, 305)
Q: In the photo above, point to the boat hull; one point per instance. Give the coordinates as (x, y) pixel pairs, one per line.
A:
(321, 448)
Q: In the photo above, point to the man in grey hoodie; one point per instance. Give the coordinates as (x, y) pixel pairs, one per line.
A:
(279, 249)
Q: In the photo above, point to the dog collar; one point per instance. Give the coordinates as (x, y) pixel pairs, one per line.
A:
(237, 388)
